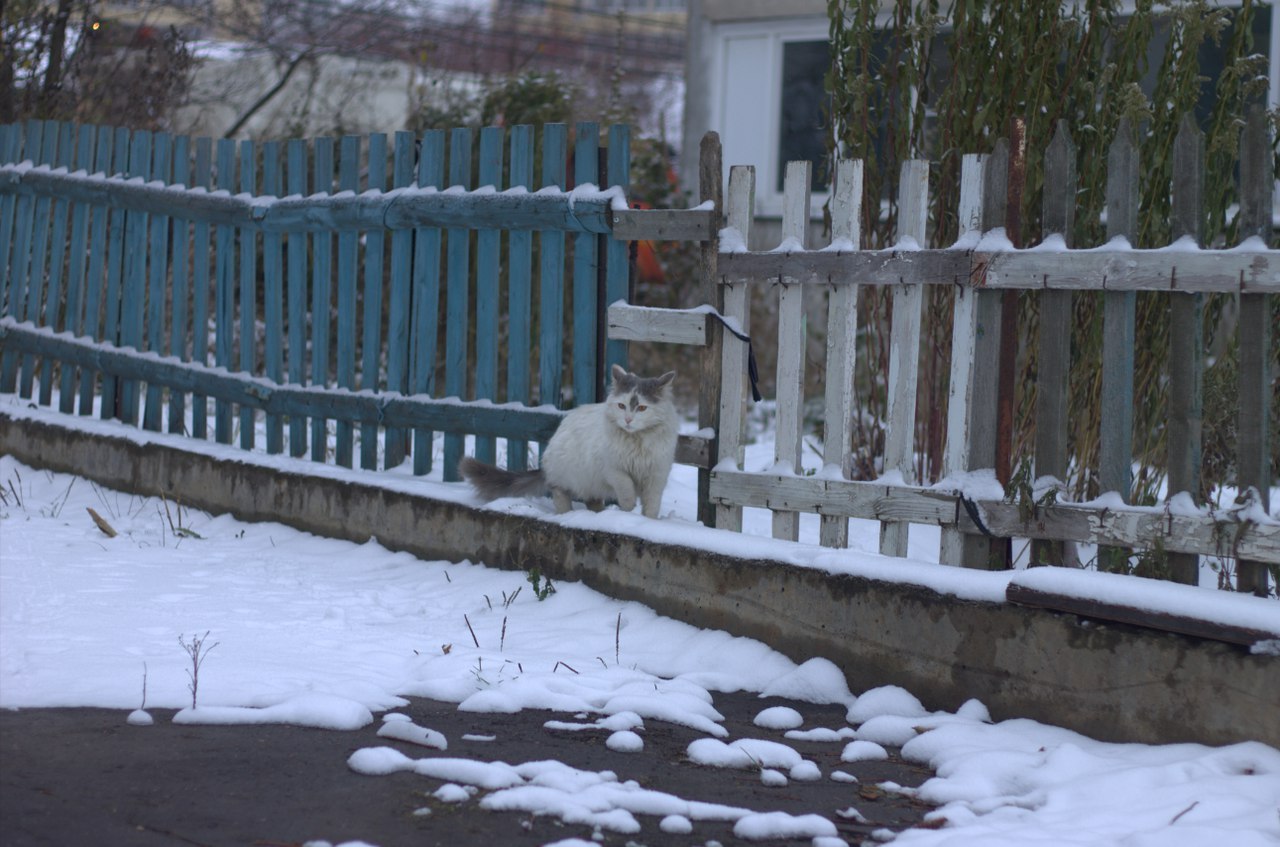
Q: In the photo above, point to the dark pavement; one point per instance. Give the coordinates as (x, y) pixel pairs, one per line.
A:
(85, 777)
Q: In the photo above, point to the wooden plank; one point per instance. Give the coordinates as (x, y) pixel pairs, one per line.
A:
(520, 294)
(551, 277)
(488, 254)
(1186, 340)
(739, 214)
(1103, 268)
(97, 260)
(576, 213)
(180, 305)
(791, 344)
(457, 319)
(617, 284)
(296, 283)
(651, 324)
(321, 294)
(904, 348)
(273, 292)
(1257, 338)
(1224, 533)
(109, 401)
(842, 344)
(54, 309)
(398, 309)
(224, 296)
(76, 282)
(586, 260)
(663, 224)
(347, 277)
(38, 244)
(157, 279)
(133, 296)
(19, 259)
(833, 496)
(426, 296)
(248, 293)
(1115, 462)
(710, 190)
(200, 287)
(375, 241)
(954, 547)
(10, 144)
(1053, 363)
(1119, 613)
(695, 448)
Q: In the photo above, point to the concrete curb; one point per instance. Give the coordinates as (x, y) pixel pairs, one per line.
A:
(1112, 682)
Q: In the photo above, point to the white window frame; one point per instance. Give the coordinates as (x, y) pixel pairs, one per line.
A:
(764, 114)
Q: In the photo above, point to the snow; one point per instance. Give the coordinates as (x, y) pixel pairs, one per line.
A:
(779, 717)
(328, 633)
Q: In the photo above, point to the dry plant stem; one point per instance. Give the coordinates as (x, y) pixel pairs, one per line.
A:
(198, 652)
(472, 631)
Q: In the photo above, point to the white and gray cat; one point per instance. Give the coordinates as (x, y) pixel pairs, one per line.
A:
(621, 450)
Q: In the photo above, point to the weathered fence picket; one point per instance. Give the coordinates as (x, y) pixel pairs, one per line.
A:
(520, 296)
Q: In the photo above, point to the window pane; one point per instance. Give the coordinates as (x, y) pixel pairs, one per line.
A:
(801, 134)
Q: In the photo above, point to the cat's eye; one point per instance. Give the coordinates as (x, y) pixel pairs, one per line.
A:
(622, 406)
(641, 408)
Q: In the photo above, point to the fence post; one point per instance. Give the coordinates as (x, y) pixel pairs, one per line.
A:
(739, 212)
(1256, 334)
(426, 296)
(371, 332)
(58, 252)
(273, 292)
(904, 348)
(984, 383)
(842, 344)
(158, 279)
(955, 547)
(1115, 471)
(1186, 340)
(710, 189)
(181, 287)
(224, 307)
(519, 293)
(199, 289)
(322, 294)
(457, 299)
(791, 343)
(76, 271)
(396, 440)
(1054, 363)
(249, 292)
(586, 265)
(296, 285)
(488, 249)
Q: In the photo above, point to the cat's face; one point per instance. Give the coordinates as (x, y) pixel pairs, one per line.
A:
(636, 403)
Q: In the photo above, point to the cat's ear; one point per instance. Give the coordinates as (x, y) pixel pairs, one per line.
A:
(618, 372)
(666, 378)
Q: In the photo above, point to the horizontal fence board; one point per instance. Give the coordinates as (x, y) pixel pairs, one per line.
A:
(1118, 613)
(832, 496)
(663, 224)
(407, 208)
(479, 417)
(649, 324)
(1222, 534)
(1246, 271)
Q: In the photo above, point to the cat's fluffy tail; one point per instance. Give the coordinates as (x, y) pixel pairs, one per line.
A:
(492, 482)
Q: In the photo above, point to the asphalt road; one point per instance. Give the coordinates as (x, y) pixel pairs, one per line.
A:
(85, 777)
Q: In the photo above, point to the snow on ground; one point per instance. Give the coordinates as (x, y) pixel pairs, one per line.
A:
(298, 629)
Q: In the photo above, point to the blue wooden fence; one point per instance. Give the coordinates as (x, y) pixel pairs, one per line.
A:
(353, 292)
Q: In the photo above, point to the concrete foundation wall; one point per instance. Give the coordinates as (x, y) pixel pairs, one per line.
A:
(1111, 682)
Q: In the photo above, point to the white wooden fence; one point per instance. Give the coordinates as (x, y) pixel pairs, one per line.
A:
(982, 266)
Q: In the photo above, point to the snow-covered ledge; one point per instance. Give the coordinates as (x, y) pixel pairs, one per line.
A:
(944, 633)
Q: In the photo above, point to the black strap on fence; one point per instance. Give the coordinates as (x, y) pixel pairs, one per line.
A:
(752, 372)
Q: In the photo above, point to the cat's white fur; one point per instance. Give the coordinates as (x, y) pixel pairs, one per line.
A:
(621, 450)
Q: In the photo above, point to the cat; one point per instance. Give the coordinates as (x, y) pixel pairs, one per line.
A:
(621, 450)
